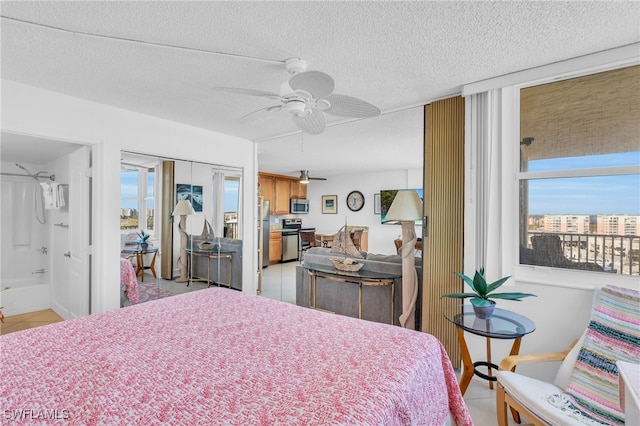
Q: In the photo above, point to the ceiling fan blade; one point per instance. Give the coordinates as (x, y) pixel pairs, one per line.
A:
(347, 106)
(315, 178)
(249, 92)
(270, 108)
(317, 83)
(313, 123)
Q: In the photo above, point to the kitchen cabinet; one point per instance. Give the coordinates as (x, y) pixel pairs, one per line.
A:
(298, 190)
(279, 189)
(268, 189)
(275, 247)
(282, 196)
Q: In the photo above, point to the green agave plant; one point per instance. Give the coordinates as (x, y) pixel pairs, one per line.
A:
(483, 293)
(142, 236)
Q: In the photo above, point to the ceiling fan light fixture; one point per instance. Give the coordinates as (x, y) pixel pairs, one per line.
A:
(295, 65)
(296, 107)
(304, 176)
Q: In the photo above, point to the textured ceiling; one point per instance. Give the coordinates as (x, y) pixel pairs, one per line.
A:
(392, 54)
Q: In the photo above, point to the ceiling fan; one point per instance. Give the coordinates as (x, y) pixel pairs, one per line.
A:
(305, 178)
(307, 96)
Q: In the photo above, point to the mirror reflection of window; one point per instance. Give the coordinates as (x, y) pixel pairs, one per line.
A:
(137, 199)
(149, 200)
(129, 199)
(226, 202)
(231, 201)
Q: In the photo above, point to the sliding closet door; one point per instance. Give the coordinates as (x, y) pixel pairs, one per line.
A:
(444, 208)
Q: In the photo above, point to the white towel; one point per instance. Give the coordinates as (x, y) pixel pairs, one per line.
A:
(59, 192)
(49, 199)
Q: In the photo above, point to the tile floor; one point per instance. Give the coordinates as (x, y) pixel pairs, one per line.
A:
(278, 283)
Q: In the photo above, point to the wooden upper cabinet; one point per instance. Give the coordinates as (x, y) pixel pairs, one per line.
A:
(298, 190)
(268, 189)
(283, 195)
(279, 190)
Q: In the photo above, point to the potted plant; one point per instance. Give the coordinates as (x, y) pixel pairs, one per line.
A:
(143, 239)
(483, 293)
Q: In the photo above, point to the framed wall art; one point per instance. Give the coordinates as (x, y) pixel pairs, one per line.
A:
(329, 204)
(192, 193)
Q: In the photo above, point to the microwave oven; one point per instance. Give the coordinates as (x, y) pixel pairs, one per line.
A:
(299, 206)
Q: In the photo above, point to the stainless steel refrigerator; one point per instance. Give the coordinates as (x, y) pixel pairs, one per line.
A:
(265, 233)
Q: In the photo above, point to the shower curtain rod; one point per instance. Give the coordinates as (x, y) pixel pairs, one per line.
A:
(52, 177)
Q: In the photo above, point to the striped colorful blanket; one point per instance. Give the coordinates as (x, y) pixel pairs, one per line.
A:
(613, 334)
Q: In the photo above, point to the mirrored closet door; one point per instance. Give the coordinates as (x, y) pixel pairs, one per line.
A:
(179, 227)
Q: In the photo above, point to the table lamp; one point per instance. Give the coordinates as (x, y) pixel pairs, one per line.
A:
(407, 208)
(183, 208)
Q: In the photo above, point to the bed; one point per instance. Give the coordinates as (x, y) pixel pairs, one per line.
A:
(128, 281)
(219, 356)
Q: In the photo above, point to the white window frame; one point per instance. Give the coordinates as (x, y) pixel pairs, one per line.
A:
(544, 274)
(143, 197)
(508, 246)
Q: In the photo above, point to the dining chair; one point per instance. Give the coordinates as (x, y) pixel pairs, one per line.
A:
(307, 240)
(356, 237)
(398, 244)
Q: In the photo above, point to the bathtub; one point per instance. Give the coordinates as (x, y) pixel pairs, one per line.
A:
(25, 295)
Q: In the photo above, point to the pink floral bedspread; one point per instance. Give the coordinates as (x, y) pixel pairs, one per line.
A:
(218, 356)
(129, 280)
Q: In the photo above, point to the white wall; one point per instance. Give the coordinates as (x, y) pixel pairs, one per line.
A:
(32, 111)
(380, 236)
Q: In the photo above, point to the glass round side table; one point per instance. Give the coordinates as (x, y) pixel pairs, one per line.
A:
(503, 324)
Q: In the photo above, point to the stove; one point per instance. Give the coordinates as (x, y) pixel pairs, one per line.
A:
(291, 224)
(291, 238)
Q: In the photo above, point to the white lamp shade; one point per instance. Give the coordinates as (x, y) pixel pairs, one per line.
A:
(183, 208)
(406, 206)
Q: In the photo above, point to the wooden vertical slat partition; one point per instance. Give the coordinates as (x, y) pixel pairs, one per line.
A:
(444, 208)
(166, 228)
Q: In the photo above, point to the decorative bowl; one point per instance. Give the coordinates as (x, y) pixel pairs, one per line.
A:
(206, 245)
(346, 264)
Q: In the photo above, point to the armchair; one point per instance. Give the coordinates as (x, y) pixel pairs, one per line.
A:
(585, 390)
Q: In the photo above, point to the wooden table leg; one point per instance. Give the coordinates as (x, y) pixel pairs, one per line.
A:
(153, 265)
(140, 265)
(515, 349)
(467, 364)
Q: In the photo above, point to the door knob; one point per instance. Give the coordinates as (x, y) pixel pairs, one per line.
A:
(67, 254)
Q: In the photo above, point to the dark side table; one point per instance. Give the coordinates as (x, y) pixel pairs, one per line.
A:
(503, 324)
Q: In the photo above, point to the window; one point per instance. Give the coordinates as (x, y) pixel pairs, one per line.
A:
(129, 205)
(579, 180)
(137, 199)
(230, 202)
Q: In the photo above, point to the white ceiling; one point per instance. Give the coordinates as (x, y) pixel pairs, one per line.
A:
(392, 54)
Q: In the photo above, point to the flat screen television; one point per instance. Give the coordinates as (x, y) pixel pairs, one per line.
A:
(386, 198)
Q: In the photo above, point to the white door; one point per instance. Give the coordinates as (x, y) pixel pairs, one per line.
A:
(79, 254)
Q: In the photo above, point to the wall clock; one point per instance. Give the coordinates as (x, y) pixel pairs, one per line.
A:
(355, 201)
